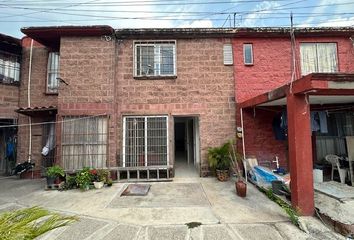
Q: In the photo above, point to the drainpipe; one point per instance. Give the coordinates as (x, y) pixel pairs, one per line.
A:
(29, 103)
(243, 142)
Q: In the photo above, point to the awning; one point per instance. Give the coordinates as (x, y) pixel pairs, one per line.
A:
(38, 111)
(322, 88)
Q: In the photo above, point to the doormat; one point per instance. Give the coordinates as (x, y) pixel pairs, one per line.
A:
(136, 190)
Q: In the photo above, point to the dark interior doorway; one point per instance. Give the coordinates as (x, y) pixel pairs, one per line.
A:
(186, 134)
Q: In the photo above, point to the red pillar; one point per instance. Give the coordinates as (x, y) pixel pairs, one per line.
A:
(300, 154)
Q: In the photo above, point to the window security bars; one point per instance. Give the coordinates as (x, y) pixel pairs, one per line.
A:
(84, 142)
(53, 72)
(155, 58)
(9, 68)
(145, 141)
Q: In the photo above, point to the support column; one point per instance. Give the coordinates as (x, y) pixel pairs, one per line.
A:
(300, 154)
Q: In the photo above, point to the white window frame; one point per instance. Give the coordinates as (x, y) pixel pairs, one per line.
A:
(244, 53)
(228, 54)
(52, 71)
(145, 150)
(156, 45)
(316, 57)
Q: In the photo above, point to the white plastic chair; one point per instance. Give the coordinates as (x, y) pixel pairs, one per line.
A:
(334, 160)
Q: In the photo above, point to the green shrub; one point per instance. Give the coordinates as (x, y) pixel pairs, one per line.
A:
(84, 178)
(55, 171)
(219, 157)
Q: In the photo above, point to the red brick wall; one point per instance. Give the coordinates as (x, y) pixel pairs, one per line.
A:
(8, 101)
(204, 87)
(87, 65)
(271, 69)
(39, 98)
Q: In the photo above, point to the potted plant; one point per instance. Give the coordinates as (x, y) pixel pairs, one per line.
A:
(240, 184)
(218, 158)
(100, 176)
(54, 175)
(84, 179)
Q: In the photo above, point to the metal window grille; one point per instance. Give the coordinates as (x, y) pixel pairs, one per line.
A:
(228, 58)
(53, 72)
(145, 141)
(155, 58)
(9, 68)
(84, 142)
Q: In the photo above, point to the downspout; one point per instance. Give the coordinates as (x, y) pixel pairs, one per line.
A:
(29, 103)
(243, 142)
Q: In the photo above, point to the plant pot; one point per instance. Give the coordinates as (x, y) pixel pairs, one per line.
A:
(57, 180)
(222, 175)
(98, 185)
(241, 188)
(50, 180)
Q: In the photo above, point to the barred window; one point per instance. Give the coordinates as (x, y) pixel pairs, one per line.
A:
(9, 68)
(155, 58)
(53, 72)
(145, 141)
(84, 142)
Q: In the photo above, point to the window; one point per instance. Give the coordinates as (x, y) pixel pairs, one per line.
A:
(228, 59)
(9, 68)
(53, 72)
(84, 142)
(155, 58)
(145, 141)
(248, 54)
(318, 58)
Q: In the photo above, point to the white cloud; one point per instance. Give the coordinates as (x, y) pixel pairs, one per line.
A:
(197, 24)
(338, 22)
(254, 18)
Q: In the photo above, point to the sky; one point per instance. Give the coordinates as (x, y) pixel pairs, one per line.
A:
(15, 14)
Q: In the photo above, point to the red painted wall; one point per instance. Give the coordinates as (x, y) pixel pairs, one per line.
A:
(272, 69)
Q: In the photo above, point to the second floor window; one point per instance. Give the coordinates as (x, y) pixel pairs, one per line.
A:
(155, 58)
(9, 68)
(248, 54)
(318, 58)
(53, 72)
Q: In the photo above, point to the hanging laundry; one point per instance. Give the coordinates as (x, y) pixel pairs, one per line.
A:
(315, 125)
(323, 121)
(278, 131)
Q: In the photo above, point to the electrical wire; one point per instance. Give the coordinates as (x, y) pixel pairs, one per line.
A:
(44, 123)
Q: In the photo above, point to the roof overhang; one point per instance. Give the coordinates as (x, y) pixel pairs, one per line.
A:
(10, 44)
(50, 36)
(322, 88)
(38, 111)
(178, 33)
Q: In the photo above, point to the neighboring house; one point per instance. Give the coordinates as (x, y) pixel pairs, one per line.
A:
(131, 99)
(316, 108)
(10, 66)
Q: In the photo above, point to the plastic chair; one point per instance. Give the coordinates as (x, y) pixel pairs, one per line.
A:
(334, 160)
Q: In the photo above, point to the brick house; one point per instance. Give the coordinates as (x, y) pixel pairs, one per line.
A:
(10, 64)
(318, 104)
(149, 97)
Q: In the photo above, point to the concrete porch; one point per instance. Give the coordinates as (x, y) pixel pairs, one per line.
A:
(162, 214)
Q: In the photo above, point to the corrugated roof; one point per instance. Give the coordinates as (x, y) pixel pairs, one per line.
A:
(38, 111)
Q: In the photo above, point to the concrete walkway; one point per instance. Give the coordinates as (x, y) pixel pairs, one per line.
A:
(162, 214)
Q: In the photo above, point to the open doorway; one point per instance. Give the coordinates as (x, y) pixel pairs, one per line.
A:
(8, 143)
(186, 136)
